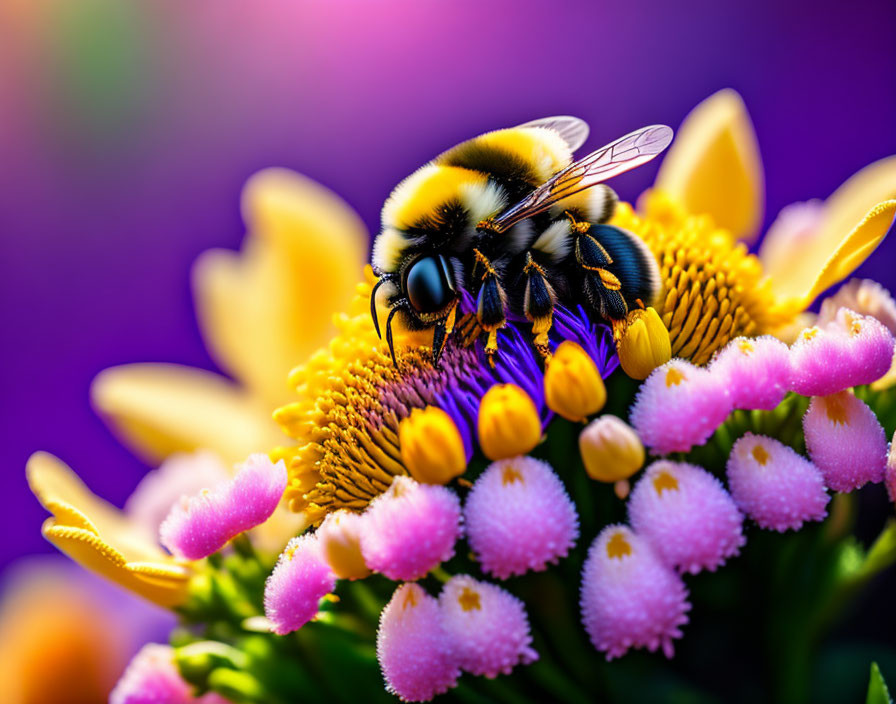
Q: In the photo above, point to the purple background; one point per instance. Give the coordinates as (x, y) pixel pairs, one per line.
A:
(127, 130)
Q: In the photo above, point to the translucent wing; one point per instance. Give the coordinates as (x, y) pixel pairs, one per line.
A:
(625, 153)
(573, 130)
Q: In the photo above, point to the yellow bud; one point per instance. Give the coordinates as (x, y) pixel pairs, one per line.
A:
(644, 345)
(508, 422)
(611, 449)
(432, 449)
(340, 542)
(572, 384)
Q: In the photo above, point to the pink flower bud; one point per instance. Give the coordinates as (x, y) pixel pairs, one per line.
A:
(629, 598)
(152, 677)
(202, 524)
(845, 441)
(679, 406)
(686, 515)
(519, 517)
(486, 626)
(412, 647)
(294, 589)
(775, 486)
(410, 529)
(755, 371)
(851, 350)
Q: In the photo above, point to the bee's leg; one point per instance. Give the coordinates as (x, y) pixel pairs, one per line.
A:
(490, 305)
(440, 335)
(602, 287)
(373, 314)
(538, 304)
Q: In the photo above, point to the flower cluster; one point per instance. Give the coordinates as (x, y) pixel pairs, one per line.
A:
(428, 521)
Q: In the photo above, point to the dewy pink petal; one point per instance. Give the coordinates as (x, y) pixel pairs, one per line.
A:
(679, 406)
(410, 529)
(487, 627)
(890, 472)
(152, 677)
(686, 515)
(775, 486)
(863, 296)
(519, 517)
(202, 524)
(755, 371)
(294, 589)
(845, 441)
(412, 647)
(629, 598)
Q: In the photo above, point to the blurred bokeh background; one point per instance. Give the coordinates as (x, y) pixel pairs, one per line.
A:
(127, 130)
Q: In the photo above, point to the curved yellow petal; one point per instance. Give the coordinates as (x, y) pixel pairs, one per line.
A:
(265, 309)
(160, 409)
(846, 206)
(713, 166)
(99, 537)
(829, 261)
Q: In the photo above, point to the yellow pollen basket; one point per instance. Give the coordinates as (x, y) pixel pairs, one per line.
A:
(618, 547)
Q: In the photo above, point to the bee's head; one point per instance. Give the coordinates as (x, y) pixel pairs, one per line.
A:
(430, 286)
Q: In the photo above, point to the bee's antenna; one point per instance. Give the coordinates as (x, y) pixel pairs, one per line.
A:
(389, 335)
(376, 323)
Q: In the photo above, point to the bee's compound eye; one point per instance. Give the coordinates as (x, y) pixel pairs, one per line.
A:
(430, 284)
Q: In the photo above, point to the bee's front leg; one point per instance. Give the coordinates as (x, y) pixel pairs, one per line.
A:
(538, 304)
(491, 303)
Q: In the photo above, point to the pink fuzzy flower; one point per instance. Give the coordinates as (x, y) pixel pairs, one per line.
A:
(890, 473)
(294, 589)
(851, 350)
(410, 529)
(629, 598)
(412, 647)
(686, 515)
(775, 486)
(519, 517)
(486, 626)
(845, 441)
(679, 406)
(202, 524)
(152, 677)
(755, 371)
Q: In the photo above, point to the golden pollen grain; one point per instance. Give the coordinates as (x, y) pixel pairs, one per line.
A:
(836, 409)
(674, 377)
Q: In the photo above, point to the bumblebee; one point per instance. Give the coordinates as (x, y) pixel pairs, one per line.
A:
(509, 218)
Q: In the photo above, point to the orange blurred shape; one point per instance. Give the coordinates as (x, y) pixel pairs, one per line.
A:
(57, 645)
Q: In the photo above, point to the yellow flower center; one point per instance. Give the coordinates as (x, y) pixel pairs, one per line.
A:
(664, 481)
(760, 454)
(713, 289)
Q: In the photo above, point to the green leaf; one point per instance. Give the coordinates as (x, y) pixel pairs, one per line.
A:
(877, 688)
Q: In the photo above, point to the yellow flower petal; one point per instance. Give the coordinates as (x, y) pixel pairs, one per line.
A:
(713, 166)
(160, 409)
(830, 259)
(99, 537)
(266, 309)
